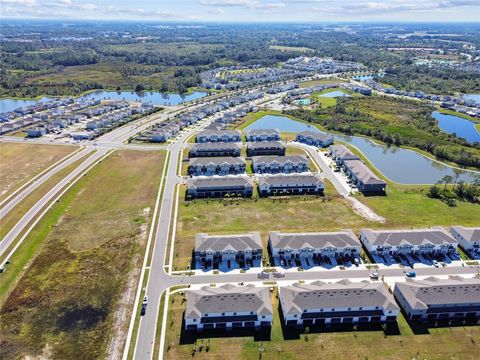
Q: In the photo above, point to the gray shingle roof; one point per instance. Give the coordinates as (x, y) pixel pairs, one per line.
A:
(280, 159)
(219, 133)
(432, 291)
(217, 161)
(342, 151)
(220, 181)
(362, 172)
(258, 132)
(315, 135)
(470, 234)
(342, 294)
(433, 236)
(292, 179)
(215, 146)
(264, 145)
(228, 298)
(206, 242)
(320, 240)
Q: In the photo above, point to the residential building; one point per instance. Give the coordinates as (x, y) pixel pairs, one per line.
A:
(434, 299)
(219, 186)
(292, 184)
(340, 153)
(36, 132)
(228, 307)
(288, 248)
(216, 166)
(417, 241)
(468, 238)
(214, 149)
(344, 302)
(314, 138)
(219, 136)
(364, 178)
(227, 251)
(273, 164)
(263, 135)
(260, 148)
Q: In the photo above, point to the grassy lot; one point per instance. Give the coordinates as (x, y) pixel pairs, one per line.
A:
(81, 284)
(300, 213)
(11, 218)
(439, 343)
(21, 162)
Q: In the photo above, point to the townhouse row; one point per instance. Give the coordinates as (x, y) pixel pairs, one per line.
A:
(333, 303)
(319, 248)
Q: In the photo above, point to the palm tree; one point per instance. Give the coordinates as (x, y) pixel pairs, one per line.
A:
(457, 172)
(447, 179)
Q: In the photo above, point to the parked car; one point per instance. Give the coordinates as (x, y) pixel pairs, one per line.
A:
(374, 276)
(435, 263)
(411, 274)
(145, 301)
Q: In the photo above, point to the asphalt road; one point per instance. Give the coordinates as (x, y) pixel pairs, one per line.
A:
(37, 182)
(46, 199)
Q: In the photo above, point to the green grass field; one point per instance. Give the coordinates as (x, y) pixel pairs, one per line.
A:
(438, 344)
(300, 213)
(76, 292)
(21, 162)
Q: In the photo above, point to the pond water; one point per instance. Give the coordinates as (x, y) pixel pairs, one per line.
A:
(7, 105)
(366, 77)
(399, 165)
(334, 94)
(475, 97)
(461, 127)
(149, 97)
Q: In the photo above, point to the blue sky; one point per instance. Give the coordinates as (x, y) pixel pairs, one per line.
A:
(247, 10)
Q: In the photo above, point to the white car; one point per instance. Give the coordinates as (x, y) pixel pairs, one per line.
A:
(374, 276)
(435, 263)
(145, 301)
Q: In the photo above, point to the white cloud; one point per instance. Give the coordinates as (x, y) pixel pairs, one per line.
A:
(29, 3)
(216, 11)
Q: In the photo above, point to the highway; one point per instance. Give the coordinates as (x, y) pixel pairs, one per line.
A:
(45, 200)
(37, 182)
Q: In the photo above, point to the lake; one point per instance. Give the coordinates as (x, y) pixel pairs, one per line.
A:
(399, 165)
(461, 127)
(334, 94)
(149, 97)
(475, 97)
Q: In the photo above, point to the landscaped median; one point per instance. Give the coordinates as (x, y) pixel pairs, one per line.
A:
(75, 298)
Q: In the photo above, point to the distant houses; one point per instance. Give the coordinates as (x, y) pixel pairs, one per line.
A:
(280, 164)
(227, 251)
(291, 184)
(228, 307)
(288, 249)
(219, 186)
(314, 138)
(434, 299)
(344, 302)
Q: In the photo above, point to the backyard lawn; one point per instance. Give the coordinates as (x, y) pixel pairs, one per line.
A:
(295, 214)
(402, 343)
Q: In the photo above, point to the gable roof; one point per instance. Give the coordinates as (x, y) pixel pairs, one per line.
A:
(433, 236)
(363, 173)
(317, 240)
(206, 242)
(470, 234)
(228, 298)
(290, 179)
(343, 294)
(216, 161)
(265, 145)
(298, 159)
(432, 291)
